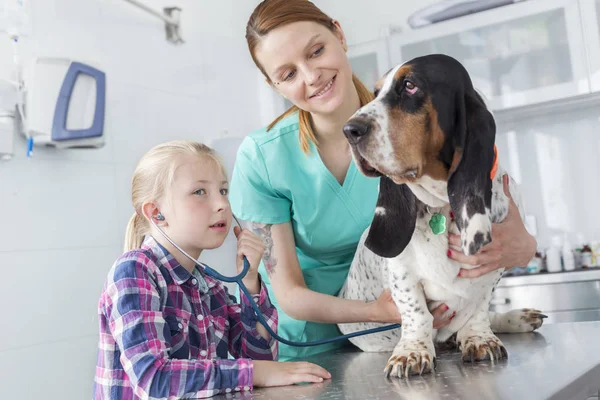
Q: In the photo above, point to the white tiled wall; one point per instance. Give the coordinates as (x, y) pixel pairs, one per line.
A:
(51, 370)
(64, 212)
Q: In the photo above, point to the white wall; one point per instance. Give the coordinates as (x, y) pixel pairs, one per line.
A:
(65, 212)
(363, 21)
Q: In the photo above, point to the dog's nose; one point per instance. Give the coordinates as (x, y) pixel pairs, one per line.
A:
(356, 128)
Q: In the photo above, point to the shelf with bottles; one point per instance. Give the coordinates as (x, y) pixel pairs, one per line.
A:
(562, 257)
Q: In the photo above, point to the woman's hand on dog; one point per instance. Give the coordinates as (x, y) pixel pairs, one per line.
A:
(440, 316)
(511, 244)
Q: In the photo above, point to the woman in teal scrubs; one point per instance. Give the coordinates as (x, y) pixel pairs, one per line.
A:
(294, 182)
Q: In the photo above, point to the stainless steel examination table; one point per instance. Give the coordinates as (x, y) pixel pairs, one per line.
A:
(560, 361)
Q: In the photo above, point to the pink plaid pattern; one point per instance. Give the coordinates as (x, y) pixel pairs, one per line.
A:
(166, 333)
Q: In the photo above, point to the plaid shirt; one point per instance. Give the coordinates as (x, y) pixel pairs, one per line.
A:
(165, 333)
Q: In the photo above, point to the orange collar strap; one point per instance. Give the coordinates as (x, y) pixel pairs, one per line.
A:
(495, 165)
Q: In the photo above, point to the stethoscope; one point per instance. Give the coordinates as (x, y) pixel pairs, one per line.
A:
(238, 279)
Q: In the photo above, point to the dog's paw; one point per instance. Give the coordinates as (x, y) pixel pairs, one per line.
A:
(482, 346)
(475, 233)
(525, 319)
(411, 357)
(518, 321)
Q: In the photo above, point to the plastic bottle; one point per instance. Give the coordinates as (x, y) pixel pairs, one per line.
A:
(596, 253)
(535, 264)
(567, 254)
(553, 263)
(586, 257)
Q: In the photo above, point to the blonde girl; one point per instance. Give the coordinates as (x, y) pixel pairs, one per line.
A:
(166, 328)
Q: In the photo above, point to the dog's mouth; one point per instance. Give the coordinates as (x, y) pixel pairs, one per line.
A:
(366, 167)
(407, 176)
(410, 175)
(372, 170)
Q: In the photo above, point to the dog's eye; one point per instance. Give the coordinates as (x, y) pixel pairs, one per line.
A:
(411, 88)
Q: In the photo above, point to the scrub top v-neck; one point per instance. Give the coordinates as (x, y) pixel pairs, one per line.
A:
(274, 182)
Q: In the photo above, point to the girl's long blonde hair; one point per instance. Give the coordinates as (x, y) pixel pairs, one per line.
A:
(271, 14)
(152, 178)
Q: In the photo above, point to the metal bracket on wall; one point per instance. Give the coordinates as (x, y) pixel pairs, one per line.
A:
(170, 16)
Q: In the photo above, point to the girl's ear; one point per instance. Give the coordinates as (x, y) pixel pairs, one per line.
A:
(150, 211)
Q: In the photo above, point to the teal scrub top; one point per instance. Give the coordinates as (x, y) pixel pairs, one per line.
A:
(274, 182)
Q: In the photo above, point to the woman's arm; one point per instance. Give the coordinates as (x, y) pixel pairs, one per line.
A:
(298, 301)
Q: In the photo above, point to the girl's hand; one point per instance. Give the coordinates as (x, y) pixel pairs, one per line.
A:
(511, 244)
(249, 245)
(387, 311)
(272, 373)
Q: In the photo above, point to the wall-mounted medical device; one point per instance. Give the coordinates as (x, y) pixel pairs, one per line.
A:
(65, 104)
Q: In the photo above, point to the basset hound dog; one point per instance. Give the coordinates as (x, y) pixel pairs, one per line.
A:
(430, 138)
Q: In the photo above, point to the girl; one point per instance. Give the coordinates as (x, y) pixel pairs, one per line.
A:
(165, 327)
(296, 185)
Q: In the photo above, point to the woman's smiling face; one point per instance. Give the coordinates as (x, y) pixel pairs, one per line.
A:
(306, 62)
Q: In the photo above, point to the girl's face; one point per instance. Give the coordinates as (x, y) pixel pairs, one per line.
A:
(197, 212)
(307, 64)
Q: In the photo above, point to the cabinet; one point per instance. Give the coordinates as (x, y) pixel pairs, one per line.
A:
(564, 296)
(590, 23)
(524, 54)
(517, 55)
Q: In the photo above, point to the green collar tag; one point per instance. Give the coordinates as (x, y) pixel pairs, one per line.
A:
(437, 223)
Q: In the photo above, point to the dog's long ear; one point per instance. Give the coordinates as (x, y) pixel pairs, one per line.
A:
(469, 181)
(394, 221)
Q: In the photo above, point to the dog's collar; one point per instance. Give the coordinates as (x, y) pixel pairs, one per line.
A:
(495, 165)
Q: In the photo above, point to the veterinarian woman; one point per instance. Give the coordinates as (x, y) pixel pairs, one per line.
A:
(296, 185)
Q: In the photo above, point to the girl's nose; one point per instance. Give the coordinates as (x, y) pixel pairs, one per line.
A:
(222, 204)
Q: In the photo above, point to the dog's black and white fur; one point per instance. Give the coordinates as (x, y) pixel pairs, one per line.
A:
(430, 137)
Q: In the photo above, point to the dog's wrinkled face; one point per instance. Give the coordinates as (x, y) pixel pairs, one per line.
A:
(398, 134)
(428, 120)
